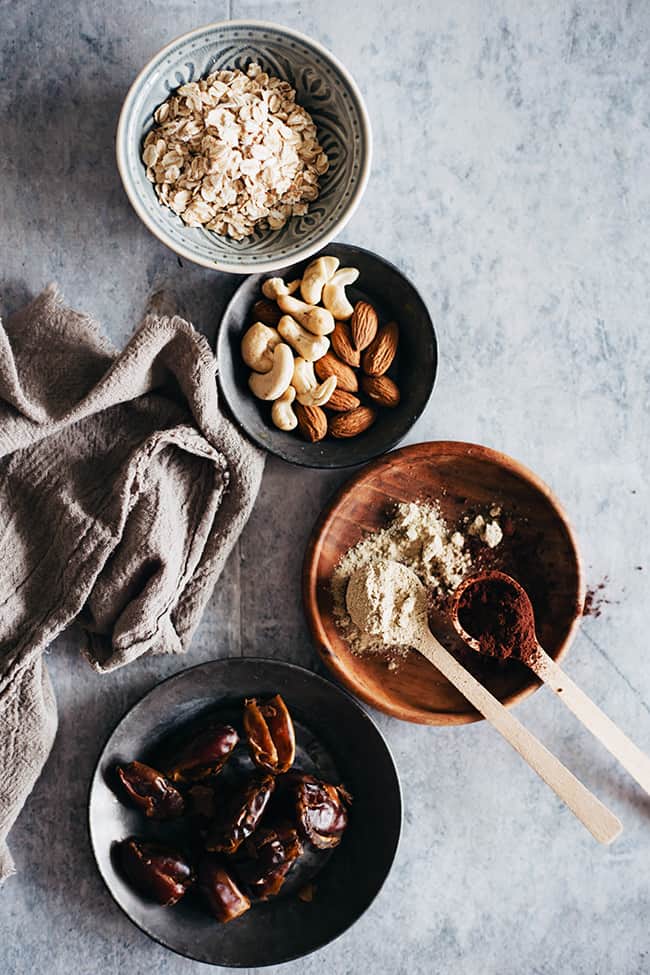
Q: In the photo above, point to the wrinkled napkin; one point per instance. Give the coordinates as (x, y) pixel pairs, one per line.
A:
(122, 491)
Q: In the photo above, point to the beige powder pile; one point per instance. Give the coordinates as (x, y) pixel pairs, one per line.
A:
(385, 600)
(418, 537)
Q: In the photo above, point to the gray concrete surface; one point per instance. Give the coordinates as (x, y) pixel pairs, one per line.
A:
(511, 181)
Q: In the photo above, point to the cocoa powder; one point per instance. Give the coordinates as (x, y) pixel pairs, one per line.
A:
(595, 600)
(496, 615)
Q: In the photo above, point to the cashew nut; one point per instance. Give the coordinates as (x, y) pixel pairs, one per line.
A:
(270, 385)
(320, 395)
(282, 411)
(304, 377)
(316, 276)
(306, 344)
(274, 287)
(318, 321)
(304, 381)
(334, 297)
(257, 347)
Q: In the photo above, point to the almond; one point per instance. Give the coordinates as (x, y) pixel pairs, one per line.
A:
(341, 401)
(380, 353)
(266, 312)
(329, 365)
(312, 422)
(363, 325)
(353, 423)
(342, 345)
(381, 389)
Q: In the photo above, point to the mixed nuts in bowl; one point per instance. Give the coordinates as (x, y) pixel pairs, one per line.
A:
(311, 360)
(328, 362)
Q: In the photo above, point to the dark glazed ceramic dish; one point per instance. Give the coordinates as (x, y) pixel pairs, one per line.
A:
(335, 738)
(394, 297)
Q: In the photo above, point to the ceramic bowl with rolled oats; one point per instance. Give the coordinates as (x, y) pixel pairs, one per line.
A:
(244, 146)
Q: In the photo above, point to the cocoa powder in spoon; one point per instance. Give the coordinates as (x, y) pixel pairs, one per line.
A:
(499, 618)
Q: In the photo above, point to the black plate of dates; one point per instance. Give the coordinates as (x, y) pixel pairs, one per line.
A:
(245, 812)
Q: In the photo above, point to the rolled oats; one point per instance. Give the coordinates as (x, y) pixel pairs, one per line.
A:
(234, 151)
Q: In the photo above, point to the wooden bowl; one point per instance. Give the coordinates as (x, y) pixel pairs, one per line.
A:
(460, 476)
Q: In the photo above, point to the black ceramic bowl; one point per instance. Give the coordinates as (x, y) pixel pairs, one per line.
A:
(394, 297)
(334, 736)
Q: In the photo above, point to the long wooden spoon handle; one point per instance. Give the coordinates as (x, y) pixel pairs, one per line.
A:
(603, 728)
(591, 812)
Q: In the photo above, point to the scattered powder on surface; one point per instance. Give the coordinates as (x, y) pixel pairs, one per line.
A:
(418, 537)
(595, 599)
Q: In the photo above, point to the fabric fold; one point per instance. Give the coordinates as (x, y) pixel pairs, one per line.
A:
(122, 491)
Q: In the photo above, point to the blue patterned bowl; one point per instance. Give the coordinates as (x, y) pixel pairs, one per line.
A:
(323, 87)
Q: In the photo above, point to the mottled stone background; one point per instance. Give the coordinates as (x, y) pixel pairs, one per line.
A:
(511, 181)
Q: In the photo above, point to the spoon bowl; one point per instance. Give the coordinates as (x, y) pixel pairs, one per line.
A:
(515, 619)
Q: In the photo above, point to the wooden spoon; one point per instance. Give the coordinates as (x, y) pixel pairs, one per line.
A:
(404, 620)
(530, 652)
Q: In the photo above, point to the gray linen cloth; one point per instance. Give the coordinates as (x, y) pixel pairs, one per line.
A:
(122, 491)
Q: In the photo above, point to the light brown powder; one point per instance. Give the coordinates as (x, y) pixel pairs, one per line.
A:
(416, 536)
(386, 600)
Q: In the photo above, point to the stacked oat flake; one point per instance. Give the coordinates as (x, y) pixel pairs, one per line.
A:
(234, 151)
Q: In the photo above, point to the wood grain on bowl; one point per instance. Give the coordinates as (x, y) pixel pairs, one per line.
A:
(460, 477)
